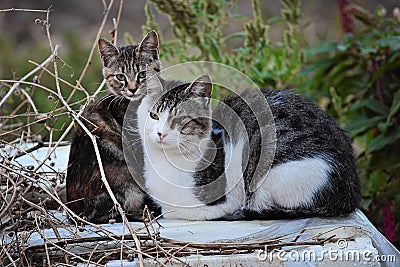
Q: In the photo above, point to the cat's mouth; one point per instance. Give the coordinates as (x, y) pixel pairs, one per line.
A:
(132, 95)
(165, 143)
(129, 93)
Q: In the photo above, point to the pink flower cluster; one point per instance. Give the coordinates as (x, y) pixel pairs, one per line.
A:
(389, 222)
(345, 18)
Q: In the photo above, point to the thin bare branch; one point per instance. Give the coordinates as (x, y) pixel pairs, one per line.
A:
(94, 46)
(23, 10)
(18, 83)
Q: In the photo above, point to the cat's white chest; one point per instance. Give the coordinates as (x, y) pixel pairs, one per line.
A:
(171, 185)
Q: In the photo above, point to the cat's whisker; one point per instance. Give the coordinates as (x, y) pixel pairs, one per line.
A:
(130, 119)
(199, 145)
(133, 119)
(135, 135)
(188, 147)
(129, 126)
(117, 101)
(184, 148)
(121, 98)
(195, 153)
(131, 129)
(104, 90)
(132, 144)
(101, 100)
(189, 153)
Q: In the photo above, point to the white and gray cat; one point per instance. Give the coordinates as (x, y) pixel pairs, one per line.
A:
(194, 170)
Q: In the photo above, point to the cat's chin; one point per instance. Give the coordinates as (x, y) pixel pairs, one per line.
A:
(162, 144)
(133, 97)
(136, 97)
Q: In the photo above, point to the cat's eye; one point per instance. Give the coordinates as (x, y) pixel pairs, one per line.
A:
(154, 116)
(120, 77)
(190, 125)
(142, 75)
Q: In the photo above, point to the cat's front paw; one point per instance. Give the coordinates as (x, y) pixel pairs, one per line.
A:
(234, 216)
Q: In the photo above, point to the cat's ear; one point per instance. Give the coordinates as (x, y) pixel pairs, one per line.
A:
(107, 51)
(149, 43)
(202, 86)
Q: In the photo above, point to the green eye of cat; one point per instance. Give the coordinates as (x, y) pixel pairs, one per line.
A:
(142, 74)
(154, 116)
(120, 77)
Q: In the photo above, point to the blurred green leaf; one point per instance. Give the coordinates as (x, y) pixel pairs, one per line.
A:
(395, 106)
(393, 42)
(238, 16)
(373, 104)
(362, 124)
(378, 179)
(322, 48)
(319, 65)
(342, 47)
(368, 50)
(383, 140)
(234, 36)
(274, 20)
(214, 49)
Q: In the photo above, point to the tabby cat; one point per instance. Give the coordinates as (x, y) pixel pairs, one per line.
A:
(124, 69)
(194, 165)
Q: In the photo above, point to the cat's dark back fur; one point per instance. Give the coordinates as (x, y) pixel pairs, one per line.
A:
(86, 193)
(303, 130)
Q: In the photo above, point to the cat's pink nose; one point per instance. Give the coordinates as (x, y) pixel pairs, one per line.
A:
(132, 87)
(161, 136)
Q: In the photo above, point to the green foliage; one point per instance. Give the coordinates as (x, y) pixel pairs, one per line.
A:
(267, 63)
(363, 73)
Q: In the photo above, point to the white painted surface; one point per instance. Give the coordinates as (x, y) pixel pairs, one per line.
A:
(356, 230)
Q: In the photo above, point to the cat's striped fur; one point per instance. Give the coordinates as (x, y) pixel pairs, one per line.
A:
(194, 165)
(124, 70)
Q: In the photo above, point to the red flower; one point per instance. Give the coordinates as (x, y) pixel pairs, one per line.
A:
(345, 18)
(389, 222)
